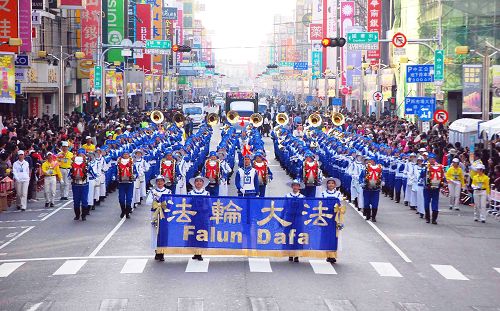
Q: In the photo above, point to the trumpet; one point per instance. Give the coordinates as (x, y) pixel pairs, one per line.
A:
(256, 119)
(315, 120)
(338, 119)
(232, 117)
(212, 119)
(157, 117)
(179, 119)
(282, 119)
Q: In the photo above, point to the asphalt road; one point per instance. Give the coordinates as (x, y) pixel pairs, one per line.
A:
(48, 261)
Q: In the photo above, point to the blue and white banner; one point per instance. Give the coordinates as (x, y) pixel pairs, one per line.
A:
(249, 226)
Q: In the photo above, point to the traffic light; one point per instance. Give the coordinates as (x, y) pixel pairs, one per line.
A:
(181, 48)
(272, 66)
(462, 50)
(210, 66)
(392, 103)
(96, 103)
(333, 42)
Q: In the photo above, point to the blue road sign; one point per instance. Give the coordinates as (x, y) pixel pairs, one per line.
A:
(22, 61)
(170, 13)
(309, 99)
(18, 89)
(334, 101)
(300, 66)
(423, 107)
(419, 73)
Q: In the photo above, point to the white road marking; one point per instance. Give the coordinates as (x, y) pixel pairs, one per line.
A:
(190, 304)
(497, 270)
(107, 238)
(7, 268)
(322, 267)
(263, 304)
(70, 267)
(413, 306)
(339, 305)
(113, 305)
(386, 269)
(57, 210)
(134, 266)
(35, 307)
(11, 235)
(449, 272)
(19, 220)
(384, 236)
(259, 265)
(22, 227)
(198, 266)
(42, 215)
(16, 237)
(29, 210)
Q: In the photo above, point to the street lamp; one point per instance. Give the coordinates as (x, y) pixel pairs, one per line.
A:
(13, 42)
(61, 59)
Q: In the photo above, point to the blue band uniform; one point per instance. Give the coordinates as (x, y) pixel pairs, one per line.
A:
(275, 227)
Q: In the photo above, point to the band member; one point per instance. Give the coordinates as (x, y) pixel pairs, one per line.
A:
(434, 174)
(247, 181)
(354, 171)
(65, 159)
(296, 186)
(141, 167)
(51, 173)
(199, 183)
(481, 186)
(126, 178)
(93, 180)
(79, 174)
(169, 169)
(212, 171)
(419, 185)
(412, 174)
(160, 194)
(102, 169)
(399, 178)
(21, 171)
(331, 186)
(225, 171)
(311, 175)
(372, 176)
(456, 181)
(263, 172)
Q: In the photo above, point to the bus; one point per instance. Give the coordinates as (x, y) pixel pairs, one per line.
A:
(244, 103)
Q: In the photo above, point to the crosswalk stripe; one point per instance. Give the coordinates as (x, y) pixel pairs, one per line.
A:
(339, 305)
(386, 269)
(198, 266)
(259, 265)
(497, 270)
(70, 267)
(134, 266)
(39, 306)
(7, 268)
(263, 304)
(449, 272)
(190, 304)
(113, 305)
(322, 267)
(413, 306)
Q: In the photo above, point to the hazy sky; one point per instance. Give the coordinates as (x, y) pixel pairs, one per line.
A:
(236, 23)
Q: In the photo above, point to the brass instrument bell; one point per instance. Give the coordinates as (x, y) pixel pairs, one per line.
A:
(256, 119)
(212, 119)
(282, 119)
(338, 119)
(179, 119)
(157, 117)
(315, 120)
(232, 117)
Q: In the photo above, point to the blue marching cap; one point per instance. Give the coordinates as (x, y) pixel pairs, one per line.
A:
(81, 151)
(431, 156)
(212, 154)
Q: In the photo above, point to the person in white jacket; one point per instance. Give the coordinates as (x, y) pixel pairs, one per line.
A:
(411, 185)
(21, 171)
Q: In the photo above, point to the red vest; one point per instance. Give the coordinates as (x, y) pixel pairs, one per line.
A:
(212, 171)
(311, 171)
(374, 175)
(79, 171)
(168, 171)
(125, 170)
(262, 172)
(435, 175)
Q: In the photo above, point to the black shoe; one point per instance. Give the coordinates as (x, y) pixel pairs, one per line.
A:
(64, 199)
(434, 222)
(47, 204)
(127, 215)
(77, 218)
(476, 220)
(162, 257)
(290, 258)
(296, 259)
(483, 221)
(51, 204)
(451, 207)
(93, 207)
(396, 201)
(331, 260)
(406, 203)
(157, 256)
(18, 207)
(84, 217)
(197, 257)
(421, 215)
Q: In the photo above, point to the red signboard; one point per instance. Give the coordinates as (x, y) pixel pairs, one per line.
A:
(374, 23)
(399, 40)
(143, 27)
(90, 25)
(9, 26)
(441, 116)
(71, 4)
(315, 32)
(34, 107)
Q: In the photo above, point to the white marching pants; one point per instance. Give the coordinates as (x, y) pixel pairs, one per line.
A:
(480, 200)
(90, 197)
(420, 199)
(454, 189)
(102, 188)
(65, 183)
(22, 193)
(50, 188)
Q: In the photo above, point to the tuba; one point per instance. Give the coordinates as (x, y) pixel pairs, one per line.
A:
(338, 119)
(282, 119)
(232, 117)
(256, 119)
(212, 119)
(315, 120)
(157, 117)
(179, 119)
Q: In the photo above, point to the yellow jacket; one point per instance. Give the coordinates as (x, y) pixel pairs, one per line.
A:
(51, 169)
(473, 165)
(455, 174)
(65, 160)
(89, 148)
(482, 182)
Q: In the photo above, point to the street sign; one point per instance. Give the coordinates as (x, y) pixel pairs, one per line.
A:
(419, 73)
(170, 13)
(155, 46)
(334, 101)
(362, 41)
(22, 61)
(441, 116)
(98, 77)
(18, 89)
(286, 64)
(300, 66)
(426, 126)
(377, 96)
(439, 65)
(399, 51)
(422, 106)
(399, 40)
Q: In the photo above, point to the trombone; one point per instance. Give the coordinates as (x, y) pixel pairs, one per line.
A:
(212, 119)
(232, 117)
(282, 119)
(256, 119)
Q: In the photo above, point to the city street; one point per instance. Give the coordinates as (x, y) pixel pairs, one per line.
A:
(48, 261)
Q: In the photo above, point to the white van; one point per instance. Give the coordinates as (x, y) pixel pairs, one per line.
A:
(195, 111)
